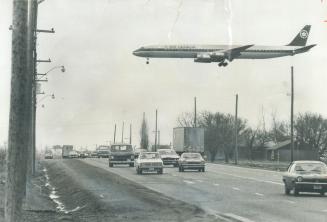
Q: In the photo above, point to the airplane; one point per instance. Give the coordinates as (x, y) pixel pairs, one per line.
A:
(227, 53)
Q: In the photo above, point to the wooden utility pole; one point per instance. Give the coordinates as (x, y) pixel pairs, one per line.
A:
(292, 113)
(122, 133)
(115, 133)
(156, 132)
(236, 131)
(20, 113)
(130, 133)
(194, 111)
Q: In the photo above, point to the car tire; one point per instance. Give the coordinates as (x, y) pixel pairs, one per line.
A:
(140, 170)
(296, 192)
(287, 191)
(111, 164)
(176, 165)
(322, 193)
(203, 169)
(131, 165)
(137, 170)
(182, 169)
(179, 169)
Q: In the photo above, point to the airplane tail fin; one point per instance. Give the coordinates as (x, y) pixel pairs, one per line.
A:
(302, 37)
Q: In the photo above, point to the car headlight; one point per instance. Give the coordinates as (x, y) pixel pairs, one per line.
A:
(299, 179)
(111, 157)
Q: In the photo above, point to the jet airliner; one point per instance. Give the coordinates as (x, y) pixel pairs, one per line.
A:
(222, 54)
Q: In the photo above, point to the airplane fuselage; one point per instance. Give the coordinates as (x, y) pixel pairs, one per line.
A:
(193, 51)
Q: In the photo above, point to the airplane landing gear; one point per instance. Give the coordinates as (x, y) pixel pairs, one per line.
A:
(147, 61)
(222, 64)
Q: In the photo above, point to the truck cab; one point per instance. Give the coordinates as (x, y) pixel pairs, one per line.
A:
(121, 154)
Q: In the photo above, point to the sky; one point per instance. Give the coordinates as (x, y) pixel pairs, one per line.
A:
(105, 83)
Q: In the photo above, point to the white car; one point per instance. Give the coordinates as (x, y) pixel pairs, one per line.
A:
(191, 161)
(73, 154)
(169, 157)
(149, 162)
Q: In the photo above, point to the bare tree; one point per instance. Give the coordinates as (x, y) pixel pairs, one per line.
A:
(280, 130)
(144, 133)
(186, 119)
(311, 132)
(250, 136)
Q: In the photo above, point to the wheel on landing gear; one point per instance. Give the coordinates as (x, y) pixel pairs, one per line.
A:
(147, 61)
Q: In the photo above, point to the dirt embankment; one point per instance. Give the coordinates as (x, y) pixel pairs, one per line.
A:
(91, 194)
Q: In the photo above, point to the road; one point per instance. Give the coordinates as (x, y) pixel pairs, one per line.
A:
(240, 193)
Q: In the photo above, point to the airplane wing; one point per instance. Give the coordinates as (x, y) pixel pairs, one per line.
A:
(232, 53)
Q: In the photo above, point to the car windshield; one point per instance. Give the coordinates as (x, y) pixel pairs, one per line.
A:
(191, 155)
(167, 152)
(149, 156)
(304, 168)
(121, 148)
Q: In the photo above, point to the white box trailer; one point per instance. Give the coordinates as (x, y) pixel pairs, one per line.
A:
(188, 139)
(66, 149)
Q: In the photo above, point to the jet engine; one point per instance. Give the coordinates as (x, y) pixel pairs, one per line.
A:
(204, 58)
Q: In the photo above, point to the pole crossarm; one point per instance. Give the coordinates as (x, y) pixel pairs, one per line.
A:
(43, 60)
(45, 30)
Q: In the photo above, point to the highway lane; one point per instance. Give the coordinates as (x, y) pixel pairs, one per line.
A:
(248, 194)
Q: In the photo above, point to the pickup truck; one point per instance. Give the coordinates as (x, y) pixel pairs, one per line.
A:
(121, 154)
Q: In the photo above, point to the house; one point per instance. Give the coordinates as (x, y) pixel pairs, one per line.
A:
(282, 152)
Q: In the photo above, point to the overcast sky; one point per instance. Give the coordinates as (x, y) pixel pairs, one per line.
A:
(105, 84)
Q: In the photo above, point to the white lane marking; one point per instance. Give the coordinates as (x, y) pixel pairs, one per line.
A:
(251, 178)
(189, 182)
(289, 201)
(216, 184)
(237, 217)
(324, 210)
(269, 181)
(259, 194)
(200, 181)
(236, 188)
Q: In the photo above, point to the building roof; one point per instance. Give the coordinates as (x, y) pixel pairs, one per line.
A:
(280, 145)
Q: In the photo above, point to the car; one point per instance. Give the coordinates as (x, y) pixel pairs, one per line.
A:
(73, 154)
(94, 154)
(169, 157)
(191, 161)
(121, 154)
(103, 151)
(149, 162)
(306, 176)
(84, 154)
(48, 155)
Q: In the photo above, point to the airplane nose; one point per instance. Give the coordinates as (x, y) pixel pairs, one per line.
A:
(135, 52)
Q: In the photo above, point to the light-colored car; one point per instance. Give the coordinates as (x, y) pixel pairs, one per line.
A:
(149, 162)
(191, 161)
(169, 157)
(73, 154)
(48, 155)
(306, 176)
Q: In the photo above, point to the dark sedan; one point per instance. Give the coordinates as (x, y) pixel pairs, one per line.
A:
(306, 176)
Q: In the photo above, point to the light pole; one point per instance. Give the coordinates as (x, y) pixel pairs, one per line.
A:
(62, 68)
(44, 97)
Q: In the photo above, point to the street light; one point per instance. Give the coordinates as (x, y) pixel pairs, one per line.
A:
(44, 97)
(62, 68)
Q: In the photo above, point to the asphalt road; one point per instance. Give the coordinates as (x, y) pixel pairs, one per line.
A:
(240, 193)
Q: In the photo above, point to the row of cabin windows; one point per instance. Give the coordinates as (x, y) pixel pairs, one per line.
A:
(209, 50)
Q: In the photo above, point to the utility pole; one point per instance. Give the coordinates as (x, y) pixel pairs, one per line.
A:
(20, 113)
(130, 134)
(156, 132)
(158, 138)
(292, 113)
(115, 134)
(195, 112)
(236, 131)
(122, 133)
